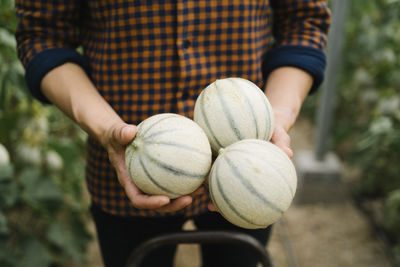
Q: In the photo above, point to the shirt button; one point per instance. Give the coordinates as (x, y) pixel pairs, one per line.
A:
(186, 43)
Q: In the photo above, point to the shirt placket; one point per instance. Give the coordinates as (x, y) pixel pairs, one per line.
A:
(184, 45)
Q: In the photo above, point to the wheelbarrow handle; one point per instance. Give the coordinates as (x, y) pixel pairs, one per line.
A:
(199, 237)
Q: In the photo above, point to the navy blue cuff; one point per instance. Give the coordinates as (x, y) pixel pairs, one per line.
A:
(44, 62)
(306, 58)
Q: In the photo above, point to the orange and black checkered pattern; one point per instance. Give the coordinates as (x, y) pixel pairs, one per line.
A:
(149, 57)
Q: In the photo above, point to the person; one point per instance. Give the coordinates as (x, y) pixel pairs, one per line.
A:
(142, 58)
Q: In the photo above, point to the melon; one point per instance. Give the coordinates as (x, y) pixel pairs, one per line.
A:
(170, 155)
(252, 183)
(233, 109)
(4, 156)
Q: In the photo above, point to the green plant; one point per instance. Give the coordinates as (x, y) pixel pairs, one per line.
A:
(366, 131)
(392, 219)
(42, 204)
(369, 95)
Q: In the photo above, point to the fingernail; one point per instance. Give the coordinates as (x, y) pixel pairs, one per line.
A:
(188, 203)
(290, 152)
(211, 207)
(164, 201)
(124, 131)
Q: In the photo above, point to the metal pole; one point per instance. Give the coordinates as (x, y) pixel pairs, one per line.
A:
(328, 94)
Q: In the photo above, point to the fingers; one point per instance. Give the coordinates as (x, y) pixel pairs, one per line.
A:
(211, 207)
(170, 206)
(143, 201)
(153, 202)
(127, 134)
(288, 151)
(176, 204)
(123, 134)
(156, 202)
(138, 199)
(282, 139)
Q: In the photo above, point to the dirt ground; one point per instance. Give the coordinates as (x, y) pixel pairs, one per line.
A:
(309, 235)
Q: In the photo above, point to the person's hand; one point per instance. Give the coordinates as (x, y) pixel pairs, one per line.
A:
(70, 89)
(286, 88)
(284, 119)
(115, 141)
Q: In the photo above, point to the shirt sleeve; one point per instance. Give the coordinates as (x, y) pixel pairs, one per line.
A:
(47, 37)
(300, 35)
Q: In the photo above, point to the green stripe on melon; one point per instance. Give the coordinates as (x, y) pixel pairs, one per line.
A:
(170, 156)
(252, 182)
(233, 109)
(154, 180)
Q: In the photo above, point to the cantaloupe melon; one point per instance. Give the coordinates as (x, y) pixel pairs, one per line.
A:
(170, 155)
(4, 156)
(252, 183)
(233, 109)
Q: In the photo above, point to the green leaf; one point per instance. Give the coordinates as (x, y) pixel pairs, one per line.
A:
(6, 172)
(72, 240)
(39, 189)
(33, 253)
(9, 122)
(7, 256)
(56, 235)
(8, 194)
(7, 38)
(3, 224)
(392, 212)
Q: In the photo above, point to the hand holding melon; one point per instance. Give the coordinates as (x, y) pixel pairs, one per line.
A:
(115, 139)
(169, 156)
(252, 182)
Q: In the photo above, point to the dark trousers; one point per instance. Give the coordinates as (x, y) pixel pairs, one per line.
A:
(118, 236)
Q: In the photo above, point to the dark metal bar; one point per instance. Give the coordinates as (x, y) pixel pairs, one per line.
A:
(195, 237)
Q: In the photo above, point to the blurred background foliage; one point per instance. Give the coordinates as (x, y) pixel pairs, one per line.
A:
(42, 206)
(366, 131)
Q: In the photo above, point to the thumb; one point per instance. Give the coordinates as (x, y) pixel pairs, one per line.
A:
(124, 133)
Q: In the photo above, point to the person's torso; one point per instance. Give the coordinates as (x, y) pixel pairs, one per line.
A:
(150, 57)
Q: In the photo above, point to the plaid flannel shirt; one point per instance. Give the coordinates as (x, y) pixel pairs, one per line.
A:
(149, 57)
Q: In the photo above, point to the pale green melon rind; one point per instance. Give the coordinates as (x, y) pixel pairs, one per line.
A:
(162, 117)
(231, 214)
(278, 153)
(178, 145)
(160, 128)
(270, 118)
(222, 127)
(216, 189)
(249, 106)
(283, 176)
(207, 127)
(177, 171)
(249, 187)
(227, 112)
(168, 192)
